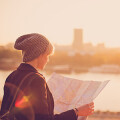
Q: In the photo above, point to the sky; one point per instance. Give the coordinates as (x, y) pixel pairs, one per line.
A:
(56, 19)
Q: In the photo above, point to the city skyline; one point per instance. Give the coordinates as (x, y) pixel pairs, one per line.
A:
(99, 20)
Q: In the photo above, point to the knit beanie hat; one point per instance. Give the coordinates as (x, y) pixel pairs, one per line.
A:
(32, 45)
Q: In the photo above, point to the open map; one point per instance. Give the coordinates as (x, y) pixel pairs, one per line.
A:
(69, 93)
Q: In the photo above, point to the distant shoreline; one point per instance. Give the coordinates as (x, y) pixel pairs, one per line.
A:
(62, 71)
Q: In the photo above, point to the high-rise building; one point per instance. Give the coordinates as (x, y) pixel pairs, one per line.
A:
(78, 39)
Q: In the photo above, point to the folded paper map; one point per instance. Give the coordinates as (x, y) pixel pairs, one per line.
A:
(69, 93)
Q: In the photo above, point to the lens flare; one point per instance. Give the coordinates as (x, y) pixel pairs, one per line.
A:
(23, 102)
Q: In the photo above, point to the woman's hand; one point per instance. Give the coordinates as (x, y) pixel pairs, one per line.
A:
(85, 110)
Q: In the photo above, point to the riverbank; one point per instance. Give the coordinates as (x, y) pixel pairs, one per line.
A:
(103, 118)
(66, 69)
(106, 115)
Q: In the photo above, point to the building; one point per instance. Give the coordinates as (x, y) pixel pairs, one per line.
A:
(78, 39)
(78, 45)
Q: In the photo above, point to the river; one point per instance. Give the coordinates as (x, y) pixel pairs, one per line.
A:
(108, 99)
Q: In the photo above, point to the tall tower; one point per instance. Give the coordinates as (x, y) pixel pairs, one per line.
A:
(78, 39)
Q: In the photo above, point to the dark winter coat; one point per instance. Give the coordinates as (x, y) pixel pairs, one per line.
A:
(35, 92)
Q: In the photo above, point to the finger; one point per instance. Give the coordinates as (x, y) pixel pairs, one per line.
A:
(92, 103)
(91, 112)
(92, 106)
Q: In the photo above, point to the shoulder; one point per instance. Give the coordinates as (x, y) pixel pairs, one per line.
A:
(10, 76)
(38, 76)
(38, 79)
(38, 84)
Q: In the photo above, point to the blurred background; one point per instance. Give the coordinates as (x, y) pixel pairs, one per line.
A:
(86, 36)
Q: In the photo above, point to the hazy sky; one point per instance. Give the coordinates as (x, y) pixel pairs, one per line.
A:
(56, 19)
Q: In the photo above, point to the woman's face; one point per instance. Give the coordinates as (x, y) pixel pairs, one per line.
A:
(42, 61)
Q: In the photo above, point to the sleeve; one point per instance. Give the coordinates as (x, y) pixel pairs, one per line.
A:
(40, 104)
(68, 115)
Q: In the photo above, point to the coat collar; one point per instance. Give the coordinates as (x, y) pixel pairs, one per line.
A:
(26, 67)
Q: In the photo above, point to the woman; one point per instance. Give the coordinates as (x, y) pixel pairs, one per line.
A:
(34, 100)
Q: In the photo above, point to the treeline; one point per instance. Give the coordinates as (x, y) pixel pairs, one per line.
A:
(9, 53)
(9, 58)
(87, 60)
(63, 58)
